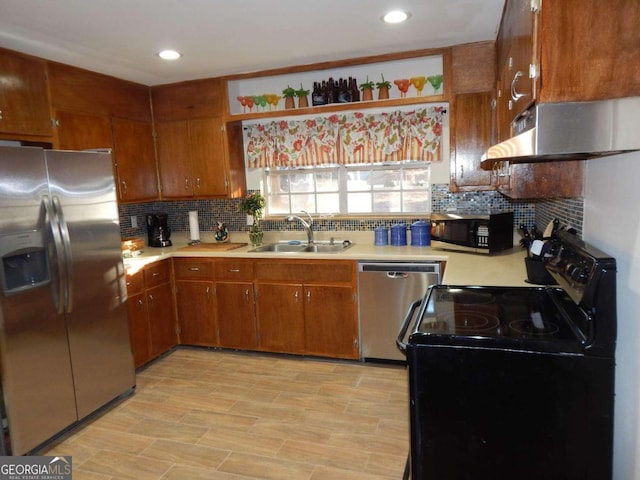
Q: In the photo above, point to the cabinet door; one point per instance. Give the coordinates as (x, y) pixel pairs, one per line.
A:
(545, 180)
(516, 54)
(24, 95)
(139, 329)
(280, 317)
(174, 159)
(161, 320)
(331, 322)
(79, 131)
(135, 160)
(472, 136)
(196, 313)
(235, 315)
(208, 157)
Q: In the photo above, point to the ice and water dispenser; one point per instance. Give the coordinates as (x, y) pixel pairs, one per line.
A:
(25, 263)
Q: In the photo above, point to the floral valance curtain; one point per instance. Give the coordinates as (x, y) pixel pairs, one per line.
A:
(347, 138)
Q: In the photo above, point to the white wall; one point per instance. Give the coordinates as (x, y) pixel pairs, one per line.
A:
(612, 223)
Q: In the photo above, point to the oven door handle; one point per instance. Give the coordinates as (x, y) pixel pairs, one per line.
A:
(405, 326)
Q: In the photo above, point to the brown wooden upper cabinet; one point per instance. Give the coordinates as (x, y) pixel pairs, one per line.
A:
(134, 160)
(190, 153)
(197, 156)
(565, 51)
(24, 97)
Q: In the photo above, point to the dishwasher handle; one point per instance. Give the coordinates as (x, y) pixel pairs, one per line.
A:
(397, 275)
(405, 326)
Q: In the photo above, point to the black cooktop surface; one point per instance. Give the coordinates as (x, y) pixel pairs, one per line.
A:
(532, 318)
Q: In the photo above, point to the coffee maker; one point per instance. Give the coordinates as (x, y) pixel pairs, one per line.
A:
(158, 230)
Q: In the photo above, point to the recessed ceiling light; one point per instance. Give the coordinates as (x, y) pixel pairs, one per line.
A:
(396, 16)
(169, 54)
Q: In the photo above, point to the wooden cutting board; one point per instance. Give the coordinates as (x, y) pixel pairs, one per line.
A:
(213, 247)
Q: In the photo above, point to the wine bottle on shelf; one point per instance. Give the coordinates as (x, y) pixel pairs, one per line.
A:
(318, 96)
(329, 91)
(344, 95)
(353, 88)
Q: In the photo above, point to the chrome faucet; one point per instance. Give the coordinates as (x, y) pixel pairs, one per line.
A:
(308, 226)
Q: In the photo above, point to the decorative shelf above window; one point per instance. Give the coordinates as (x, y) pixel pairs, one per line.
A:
(424, 72)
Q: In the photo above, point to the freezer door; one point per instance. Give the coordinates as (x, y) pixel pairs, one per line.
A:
(83, 196)
(36, 369)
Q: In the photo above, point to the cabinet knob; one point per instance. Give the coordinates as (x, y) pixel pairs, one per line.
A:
(198, 182)
(124, 187)
(194, 269)
(186, 183)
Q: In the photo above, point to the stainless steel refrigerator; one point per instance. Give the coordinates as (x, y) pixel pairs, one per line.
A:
(64, 336)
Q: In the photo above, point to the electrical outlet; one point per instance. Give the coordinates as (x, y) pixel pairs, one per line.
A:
(134, 221)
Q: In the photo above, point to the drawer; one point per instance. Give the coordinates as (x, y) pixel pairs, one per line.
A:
(321, 271)
(157, 273)
(135, 283)
(234, 270)
(193, 268)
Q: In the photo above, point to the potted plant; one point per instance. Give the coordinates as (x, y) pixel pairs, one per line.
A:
(383, 88)
(303, 101)
(367, 90)
(252, 205)
(288, 94)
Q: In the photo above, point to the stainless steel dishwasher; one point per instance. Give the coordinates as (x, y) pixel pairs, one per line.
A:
(386, 290)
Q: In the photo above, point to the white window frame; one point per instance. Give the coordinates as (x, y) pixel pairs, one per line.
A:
(343, 191)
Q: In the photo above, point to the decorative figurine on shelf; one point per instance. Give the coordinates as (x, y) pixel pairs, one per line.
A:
(288, 94)
(418, 83)
(367, 90)
(252, 205)
(383, 89)
(403, 86)
(222, 234)
(436, 82)
(303, 100)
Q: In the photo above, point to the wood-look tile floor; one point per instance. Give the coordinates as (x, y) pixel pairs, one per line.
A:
(205, 414)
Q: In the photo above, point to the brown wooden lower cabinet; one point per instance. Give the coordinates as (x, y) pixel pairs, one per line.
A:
(331, 327)
(280, 312)
(139, 329)
(236, 317)
(196, 301)
(196, 306)
(307, 307)
(151, 312)
(304, 307)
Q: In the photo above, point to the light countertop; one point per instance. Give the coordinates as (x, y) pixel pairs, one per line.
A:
(502, 269)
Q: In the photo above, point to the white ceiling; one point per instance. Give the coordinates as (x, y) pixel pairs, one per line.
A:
(222, 37)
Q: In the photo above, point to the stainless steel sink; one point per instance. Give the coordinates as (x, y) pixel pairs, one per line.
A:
(319, 247)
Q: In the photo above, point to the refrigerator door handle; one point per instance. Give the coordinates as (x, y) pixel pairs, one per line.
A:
(66, 248)
(60, 286)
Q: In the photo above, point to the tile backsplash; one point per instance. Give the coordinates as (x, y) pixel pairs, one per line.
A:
(540, 212)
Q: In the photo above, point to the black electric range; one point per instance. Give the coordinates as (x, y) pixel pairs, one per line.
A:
(516, 382)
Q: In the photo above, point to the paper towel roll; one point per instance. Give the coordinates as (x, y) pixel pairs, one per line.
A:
(194, 229)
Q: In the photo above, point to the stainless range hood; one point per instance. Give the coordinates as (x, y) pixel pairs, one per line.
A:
(571, 131)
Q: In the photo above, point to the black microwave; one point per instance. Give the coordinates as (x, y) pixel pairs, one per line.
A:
(488, 233)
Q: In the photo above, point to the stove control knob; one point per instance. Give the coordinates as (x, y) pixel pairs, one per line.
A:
(571, 269)
(579, 274)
